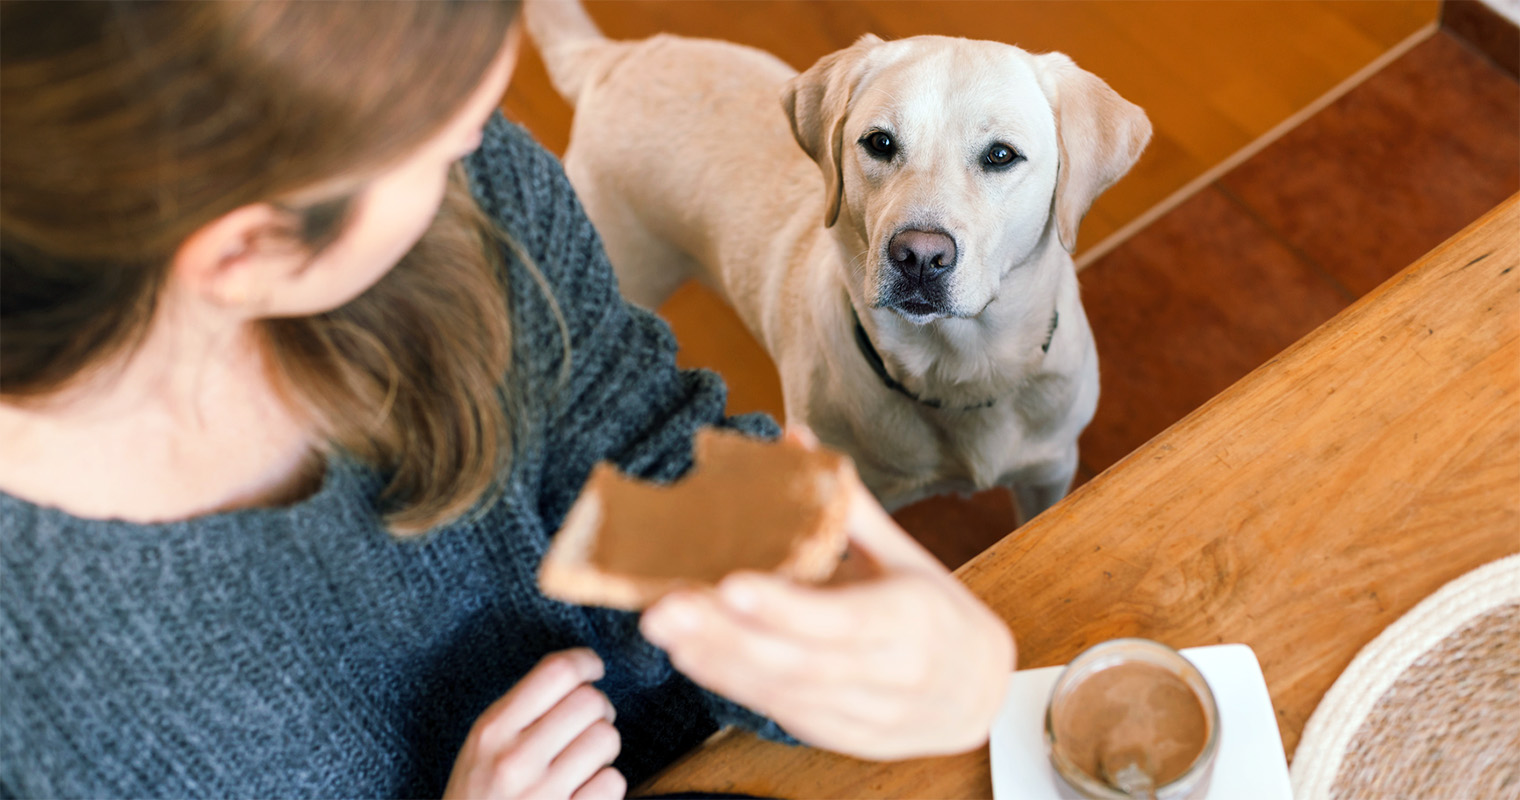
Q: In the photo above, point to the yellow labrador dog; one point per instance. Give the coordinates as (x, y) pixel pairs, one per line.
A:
(920, 301)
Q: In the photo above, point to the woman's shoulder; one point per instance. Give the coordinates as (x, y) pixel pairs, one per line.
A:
(523, 187)
(559, 276)
(511, 174)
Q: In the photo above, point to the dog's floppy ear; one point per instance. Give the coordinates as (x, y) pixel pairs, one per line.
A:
(1100, 135)
(816, 102)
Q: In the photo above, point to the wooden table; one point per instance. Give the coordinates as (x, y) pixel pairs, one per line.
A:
(1300, 512)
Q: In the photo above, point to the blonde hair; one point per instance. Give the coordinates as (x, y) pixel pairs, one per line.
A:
(127, 126)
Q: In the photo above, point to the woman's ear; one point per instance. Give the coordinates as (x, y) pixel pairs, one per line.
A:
(237, 261)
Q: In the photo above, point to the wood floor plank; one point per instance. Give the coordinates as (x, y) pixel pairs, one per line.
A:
(1394, 167)
(1385, 23)
(1183, 310)
(711, 336)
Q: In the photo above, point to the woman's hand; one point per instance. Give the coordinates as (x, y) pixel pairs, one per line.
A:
(904, 664)
(551, 736)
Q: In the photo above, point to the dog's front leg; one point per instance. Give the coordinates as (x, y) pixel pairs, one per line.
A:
(1038, 490)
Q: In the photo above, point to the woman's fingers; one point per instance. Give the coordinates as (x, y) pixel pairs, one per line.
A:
(725, 654)
(883, 700)
(608, 784)
(906, 664)
(552, 735)
(549, 736)
(580, 762)
(866, 611)
(555, 677)
(755, 657)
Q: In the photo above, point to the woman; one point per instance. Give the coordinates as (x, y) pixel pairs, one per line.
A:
(304, 354)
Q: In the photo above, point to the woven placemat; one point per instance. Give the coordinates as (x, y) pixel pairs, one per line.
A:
(1431, 707)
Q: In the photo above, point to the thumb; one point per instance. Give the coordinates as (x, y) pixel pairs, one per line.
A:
(799, 433)
(878, 540)
(873, 531)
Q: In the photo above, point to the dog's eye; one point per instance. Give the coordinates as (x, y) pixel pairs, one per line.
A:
(880, 144)
(1001, 155)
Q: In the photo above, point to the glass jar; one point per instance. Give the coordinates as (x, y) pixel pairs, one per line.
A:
(1132, 718)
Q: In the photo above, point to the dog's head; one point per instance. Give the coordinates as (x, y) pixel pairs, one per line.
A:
(950, 162)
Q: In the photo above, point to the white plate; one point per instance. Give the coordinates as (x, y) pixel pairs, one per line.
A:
(1250, 764)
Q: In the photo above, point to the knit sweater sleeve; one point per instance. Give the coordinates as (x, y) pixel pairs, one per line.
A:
(599, 374)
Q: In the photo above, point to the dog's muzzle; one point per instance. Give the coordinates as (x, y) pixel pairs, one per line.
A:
(919, 263)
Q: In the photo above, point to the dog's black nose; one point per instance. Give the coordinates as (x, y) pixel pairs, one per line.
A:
(922, 256)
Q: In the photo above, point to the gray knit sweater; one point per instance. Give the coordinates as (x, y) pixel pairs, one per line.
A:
(302, 651)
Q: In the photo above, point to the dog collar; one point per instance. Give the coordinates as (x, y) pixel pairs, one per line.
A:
(873, 358)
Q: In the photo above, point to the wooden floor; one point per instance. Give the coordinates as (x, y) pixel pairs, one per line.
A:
(1240, 269)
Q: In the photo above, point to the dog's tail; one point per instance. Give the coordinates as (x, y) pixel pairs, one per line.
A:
(572, 47)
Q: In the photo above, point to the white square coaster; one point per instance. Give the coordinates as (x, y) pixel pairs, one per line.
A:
(1250, 764)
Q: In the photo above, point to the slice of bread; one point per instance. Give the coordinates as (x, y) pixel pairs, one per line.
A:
(746, 505)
